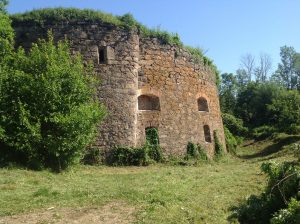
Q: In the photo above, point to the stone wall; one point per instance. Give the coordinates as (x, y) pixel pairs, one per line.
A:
(130, 66)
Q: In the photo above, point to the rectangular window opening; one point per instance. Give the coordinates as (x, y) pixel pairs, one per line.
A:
(102, 55)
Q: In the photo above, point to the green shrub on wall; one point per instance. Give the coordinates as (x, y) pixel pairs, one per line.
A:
(128, 156)
(142, 156)
(195, 151)
(152, 136)
(93, 156)
(152, 143)
(219, 149)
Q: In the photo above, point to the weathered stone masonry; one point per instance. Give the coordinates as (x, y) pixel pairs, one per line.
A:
(144, 83)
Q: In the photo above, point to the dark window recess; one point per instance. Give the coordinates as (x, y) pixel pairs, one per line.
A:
(202, 104)
(146, 102)
(207, 136)
(102, 55)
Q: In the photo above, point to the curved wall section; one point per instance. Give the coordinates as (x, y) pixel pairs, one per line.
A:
(171, 71)
(129, 67)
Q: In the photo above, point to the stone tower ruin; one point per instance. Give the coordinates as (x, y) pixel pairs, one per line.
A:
(144, 83)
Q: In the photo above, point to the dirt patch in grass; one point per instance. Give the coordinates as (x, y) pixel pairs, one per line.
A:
(111, 213)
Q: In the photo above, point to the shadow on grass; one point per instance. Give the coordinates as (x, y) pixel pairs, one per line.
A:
(274, 148)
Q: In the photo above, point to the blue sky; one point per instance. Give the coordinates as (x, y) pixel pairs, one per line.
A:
(225, 29)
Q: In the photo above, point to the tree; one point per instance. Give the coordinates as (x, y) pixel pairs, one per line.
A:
(242, 77)
(284, 111)
(3, 5)
(252, 103)
(262, 71)
(228, 91)
(297, 67)
(6, 33)
(47, 111)
(248, 65)
(287, 73)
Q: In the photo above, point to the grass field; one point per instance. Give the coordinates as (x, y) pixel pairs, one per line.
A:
(155, 194)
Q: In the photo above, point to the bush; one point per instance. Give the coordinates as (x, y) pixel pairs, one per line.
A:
(47, 112)
(191, 150)
(291, 215)
(285, 111)
(130, 156)
(231, 142)
(195, 151)
(252, 103)
(234, 125)
(93, 156)
(152, 143)
(155, 153)
(282, 185)
(296, 149)
(127, 156)
(263, 132)
(152, 136)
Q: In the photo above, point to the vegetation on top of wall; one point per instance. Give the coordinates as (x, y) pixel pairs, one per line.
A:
(65, 14)
(126, 21)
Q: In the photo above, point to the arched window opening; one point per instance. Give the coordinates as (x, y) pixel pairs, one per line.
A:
(207, 136)
(202, 104)
(147, 102)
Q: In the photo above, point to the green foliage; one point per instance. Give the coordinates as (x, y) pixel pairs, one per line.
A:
(164, 36)
(228, 92)
(191, 150)
(252, 103)
(285, 111)
(152, 136)
(48, 115)
(152, 143)
(263, 132)
(92, 156)
(3, 5)
(142, 156)
(290, 215)
(197, 53)
(234, 125)
(195, 151)
(287, 72)
(231, 142)
(155, 153)
(128, 156)
(40, 16)
(296, 148)
(219, 149)
(283, 183)
(6, 37)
